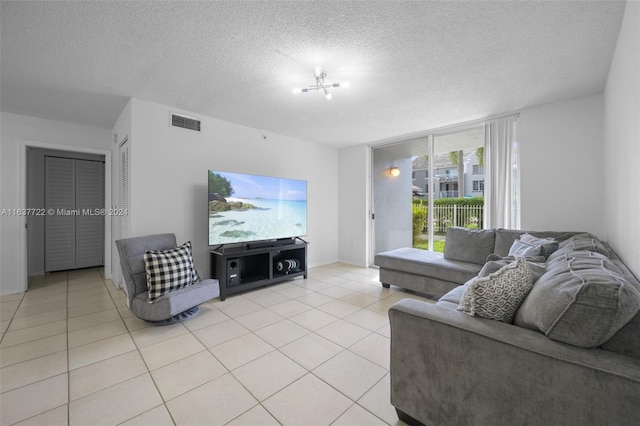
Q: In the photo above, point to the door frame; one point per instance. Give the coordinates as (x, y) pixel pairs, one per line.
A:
(23, 145)
(371, 231)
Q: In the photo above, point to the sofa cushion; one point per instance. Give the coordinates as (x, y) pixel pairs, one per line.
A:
(506, 237)
(469, 245)
(581, 242)
(583, 259)
(498, 295)
(580, 301)
(455, 295)
(169, 270)
(627, 340)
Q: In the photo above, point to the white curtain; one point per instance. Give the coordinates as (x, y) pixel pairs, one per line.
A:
(502, 177)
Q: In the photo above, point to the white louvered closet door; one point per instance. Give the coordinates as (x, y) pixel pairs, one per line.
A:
(74, 225)
(60, 199)
(90, 222)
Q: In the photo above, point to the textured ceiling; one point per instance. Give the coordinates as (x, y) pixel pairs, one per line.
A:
(412, 65)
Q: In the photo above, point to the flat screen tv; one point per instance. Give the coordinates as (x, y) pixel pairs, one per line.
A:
(246, 208)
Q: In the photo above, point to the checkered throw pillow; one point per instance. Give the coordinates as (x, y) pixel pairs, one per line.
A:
(169, 270)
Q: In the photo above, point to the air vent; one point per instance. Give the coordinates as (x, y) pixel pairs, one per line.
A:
(185, 122)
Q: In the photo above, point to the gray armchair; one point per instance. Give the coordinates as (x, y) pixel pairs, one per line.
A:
(171, 307)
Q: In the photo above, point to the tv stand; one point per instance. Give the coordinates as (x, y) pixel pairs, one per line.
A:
(244, 268)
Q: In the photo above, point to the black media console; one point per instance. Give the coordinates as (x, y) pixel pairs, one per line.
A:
(244, 268)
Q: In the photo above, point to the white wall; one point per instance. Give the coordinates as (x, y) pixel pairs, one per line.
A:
(16, 130)
(393, 224)
(355, 192)
(168, 171)
(561, 166)
(122, 131)
(622, 142)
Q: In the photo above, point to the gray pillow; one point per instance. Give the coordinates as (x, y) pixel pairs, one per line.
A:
(469, 245)
(525, 249)
(498, 295)
(579, 301)
(547, 245)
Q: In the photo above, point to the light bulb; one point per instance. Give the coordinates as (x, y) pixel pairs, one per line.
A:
(329, 96)
(296, 90)
(345, 84)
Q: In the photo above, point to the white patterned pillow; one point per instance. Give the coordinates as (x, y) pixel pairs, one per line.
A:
(169, 270)
(498, 295)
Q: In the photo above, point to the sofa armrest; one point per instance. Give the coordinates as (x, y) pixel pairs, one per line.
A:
(450, 368)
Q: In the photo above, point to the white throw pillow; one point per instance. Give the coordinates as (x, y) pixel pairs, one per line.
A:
(498, 295)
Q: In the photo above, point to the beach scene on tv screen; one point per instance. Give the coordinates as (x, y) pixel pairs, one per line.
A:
(245, 208)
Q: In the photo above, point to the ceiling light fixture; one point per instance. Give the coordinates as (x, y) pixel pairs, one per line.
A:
(320, 85)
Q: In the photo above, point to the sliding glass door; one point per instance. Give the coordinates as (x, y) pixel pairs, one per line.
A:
(425, 185)
(456, 187)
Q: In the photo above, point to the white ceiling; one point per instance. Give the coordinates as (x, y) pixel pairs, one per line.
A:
(412, 65)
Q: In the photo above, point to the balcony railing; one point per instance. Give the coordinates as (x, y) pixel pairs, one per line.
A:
(455, 215)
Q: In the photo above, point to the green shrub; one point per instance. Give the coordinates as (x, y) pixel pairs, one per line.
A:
(474, 201)
(444, 219)
(419, 218)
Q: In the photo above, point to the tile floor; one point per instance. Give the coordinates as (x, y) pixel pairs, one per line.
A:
(303, 352)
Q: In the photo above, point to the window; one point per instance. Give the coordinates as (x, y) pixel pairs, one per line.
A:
(478, 185)
(448, 162)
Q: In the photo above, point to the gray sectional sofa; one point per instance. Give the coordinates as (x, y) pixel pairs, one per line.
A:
(571, 356)
(466, 252)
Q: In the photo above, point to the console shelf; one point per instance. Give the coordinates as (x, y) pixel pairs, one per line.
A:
(240, 269)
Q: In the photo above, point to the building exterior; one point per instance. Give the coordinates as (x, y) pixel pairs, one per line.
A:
(447, 180)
